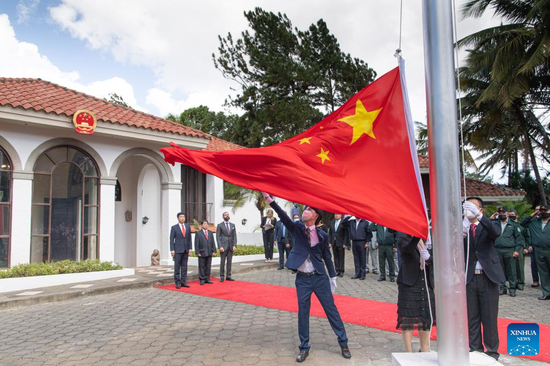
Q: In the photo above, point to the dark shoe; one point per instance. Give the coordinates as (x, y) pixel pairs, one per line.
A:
(521, 287)
(185, 285)
(544, 297)
(221, 279)
(209, 282)
(294, 271)
(374, 272)
(229, 279)
(278, 269)
(341, 275)
(355, 277)
(345, 352)
(535, 284)
(367, 271)
(302, 356)
(202, 283)
(502, 291)
(178, 285)
(513, 293)
(381, 279)
(362, 278)
(392, 279)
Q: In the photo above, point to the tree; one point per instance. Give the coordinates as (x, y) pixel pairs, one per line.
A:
(285, 76)
(201, 118)
(242, 195)
(117, 99)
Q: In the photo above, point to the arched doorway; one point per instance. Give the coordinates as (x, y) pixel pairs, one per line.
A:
(6, 176)
(65, 213)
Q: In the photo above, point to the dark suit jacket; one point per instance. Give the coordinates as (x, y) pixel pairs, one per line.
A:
(410, 261)
(279, 232)
(204, 247)
(264, 221)
(226, 240)
(178, 243)
(483, 247)
(340, 237)
(301, 249)
(361, 232)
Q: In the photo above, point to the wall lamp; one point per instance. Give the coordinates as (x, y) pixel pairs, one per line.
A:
(145, 220)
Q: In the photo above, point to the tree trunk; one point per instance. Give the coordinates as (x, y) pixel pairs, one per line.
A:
(529, 146)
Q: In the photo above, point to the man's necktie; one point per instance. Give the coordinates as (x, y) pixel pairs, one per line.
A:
(206, 234)
(227, 226)
(307, 234)
(183, 230)
(473, 228)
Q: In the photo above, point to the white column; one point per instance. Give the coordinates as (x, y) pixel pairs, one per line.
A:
(21, 218)
(107, 220)
(171, 205)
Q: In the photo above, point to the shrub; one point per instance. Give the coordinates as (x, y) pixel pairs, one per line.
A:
(243, 250)
(61, 267)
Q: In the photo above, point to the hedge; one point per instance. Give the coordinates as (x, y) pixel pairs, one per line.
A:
(61, 267)
(243, 250)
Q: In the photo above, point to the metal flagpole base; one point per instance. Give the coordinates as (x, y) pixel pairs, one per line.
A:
(430, 359)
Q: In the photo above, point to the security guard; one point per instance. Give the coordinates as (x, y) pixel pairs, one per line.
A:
(520, 268)
(508, 245)
(540, 237)
(387, 246)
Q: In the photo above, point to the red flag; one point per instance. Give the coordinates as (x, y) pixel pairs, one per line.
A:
(359, 160)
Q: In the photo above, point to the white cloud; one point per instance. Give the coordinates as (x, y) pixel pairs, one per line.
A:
(25, 9)
(25, 60)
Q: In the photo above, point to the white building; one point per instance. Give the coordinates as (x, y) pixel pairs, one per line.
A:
(107, 195)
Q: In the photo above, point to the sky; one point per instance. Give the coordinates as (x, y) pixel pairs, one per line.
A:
(158, 54)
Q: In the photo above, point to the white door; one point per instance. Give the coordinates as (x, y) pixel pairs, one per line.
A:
(149, 206)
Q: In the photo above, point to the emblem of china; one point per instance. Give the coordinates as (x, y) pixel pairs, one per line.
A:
(85, 122)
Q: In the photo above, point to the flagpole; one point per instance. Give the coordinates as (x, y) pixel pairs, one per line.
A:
(450, 290)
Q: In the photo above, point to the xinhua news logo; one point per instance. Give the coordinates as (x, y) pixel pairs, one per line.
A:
(523, 339)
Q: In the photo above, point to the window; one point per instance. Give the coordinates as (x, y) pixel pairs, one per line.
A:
(193, 195)
(118, 192)
(5, 208)
(65, 212)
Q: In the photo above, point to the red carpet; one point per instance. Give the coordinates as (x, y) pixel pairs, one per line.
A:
(368, 313)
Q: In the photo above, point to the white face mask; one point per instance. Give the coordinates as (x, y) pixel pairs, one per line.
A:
(307, 215)
(469, 214)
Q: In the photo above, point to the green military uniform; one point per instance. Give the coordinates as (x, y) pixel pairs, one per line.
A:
(540, 239)
(520, 268)
(509, 241)
(386, 242)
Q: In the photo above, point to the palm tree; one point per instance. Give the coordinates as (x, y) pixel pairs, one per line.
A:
(242, 195)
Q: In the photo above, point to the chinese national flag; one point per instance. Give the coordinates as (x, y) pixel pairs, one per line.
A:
(360, 160)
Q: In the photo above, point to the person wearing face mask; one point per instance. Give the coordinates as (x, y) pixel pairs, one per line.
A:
(483, 275)
(295, 210)
(520, 263)
(509, 244)
(310, 257)
(540, 236)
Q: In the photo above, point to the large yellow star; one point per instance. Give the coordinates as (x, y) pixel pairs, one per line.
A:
(323, 155)
(305, 140)
(362, 121)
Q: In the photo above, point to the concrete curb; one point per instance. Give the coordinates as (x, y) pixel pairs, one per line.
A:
(115, 287)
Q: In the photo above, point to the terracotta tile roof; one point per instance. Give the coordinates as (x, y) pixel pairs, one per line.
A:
(423, 161)
(217, 144)
(41, 95)
(483, 189)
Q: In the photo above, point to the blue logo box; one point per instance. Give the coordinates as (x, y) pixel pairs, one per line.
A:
(523, 339)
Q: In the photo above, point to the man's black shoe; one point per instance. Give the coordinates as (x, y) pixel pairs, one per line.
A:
(341, 275)
(513, 293)
(367, 271)
(278, 269)
(392, 279)
(209, 282)
(374, 272)
(178, 286)
(229, 279)
(362, 278)
(355, 277)
(221, 279)
(302, 356)
(345, 352)
(185, 285)
(544, 297)
(503, 292)
(381, 279)
(521, 287)
(202, 283)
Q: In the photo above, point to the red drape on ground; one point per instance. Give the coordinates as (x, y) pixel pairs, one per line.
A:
(355, 161)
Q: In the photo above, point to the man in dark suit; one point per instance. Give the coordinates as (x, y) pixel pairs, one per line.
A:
(226, 236)
(339, 241)
(309, 256)
(282, 243)
(361, 235)
(483, 275)
(180, 245)
(205, 247)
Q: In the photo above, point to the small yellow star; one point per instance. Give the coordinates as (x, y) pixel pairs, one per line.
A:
(362, 121)
(321, 127)
(305, 140)
(323, 155)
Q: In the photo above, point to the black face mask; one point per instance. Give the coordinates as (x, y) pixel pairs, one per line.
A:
(502, 217)
(513, 218)
(544, 215)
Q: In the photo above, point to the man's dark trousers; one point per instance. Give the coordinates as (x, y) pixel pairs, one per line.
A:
(180, 266)
(283, 250)
(534, 269)
(320, 285)
(205, 266)
(543, 265)
(223, 255)
(385, 253)
(359, 258)
(508, 263)
(339, 257)
(482, 296)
